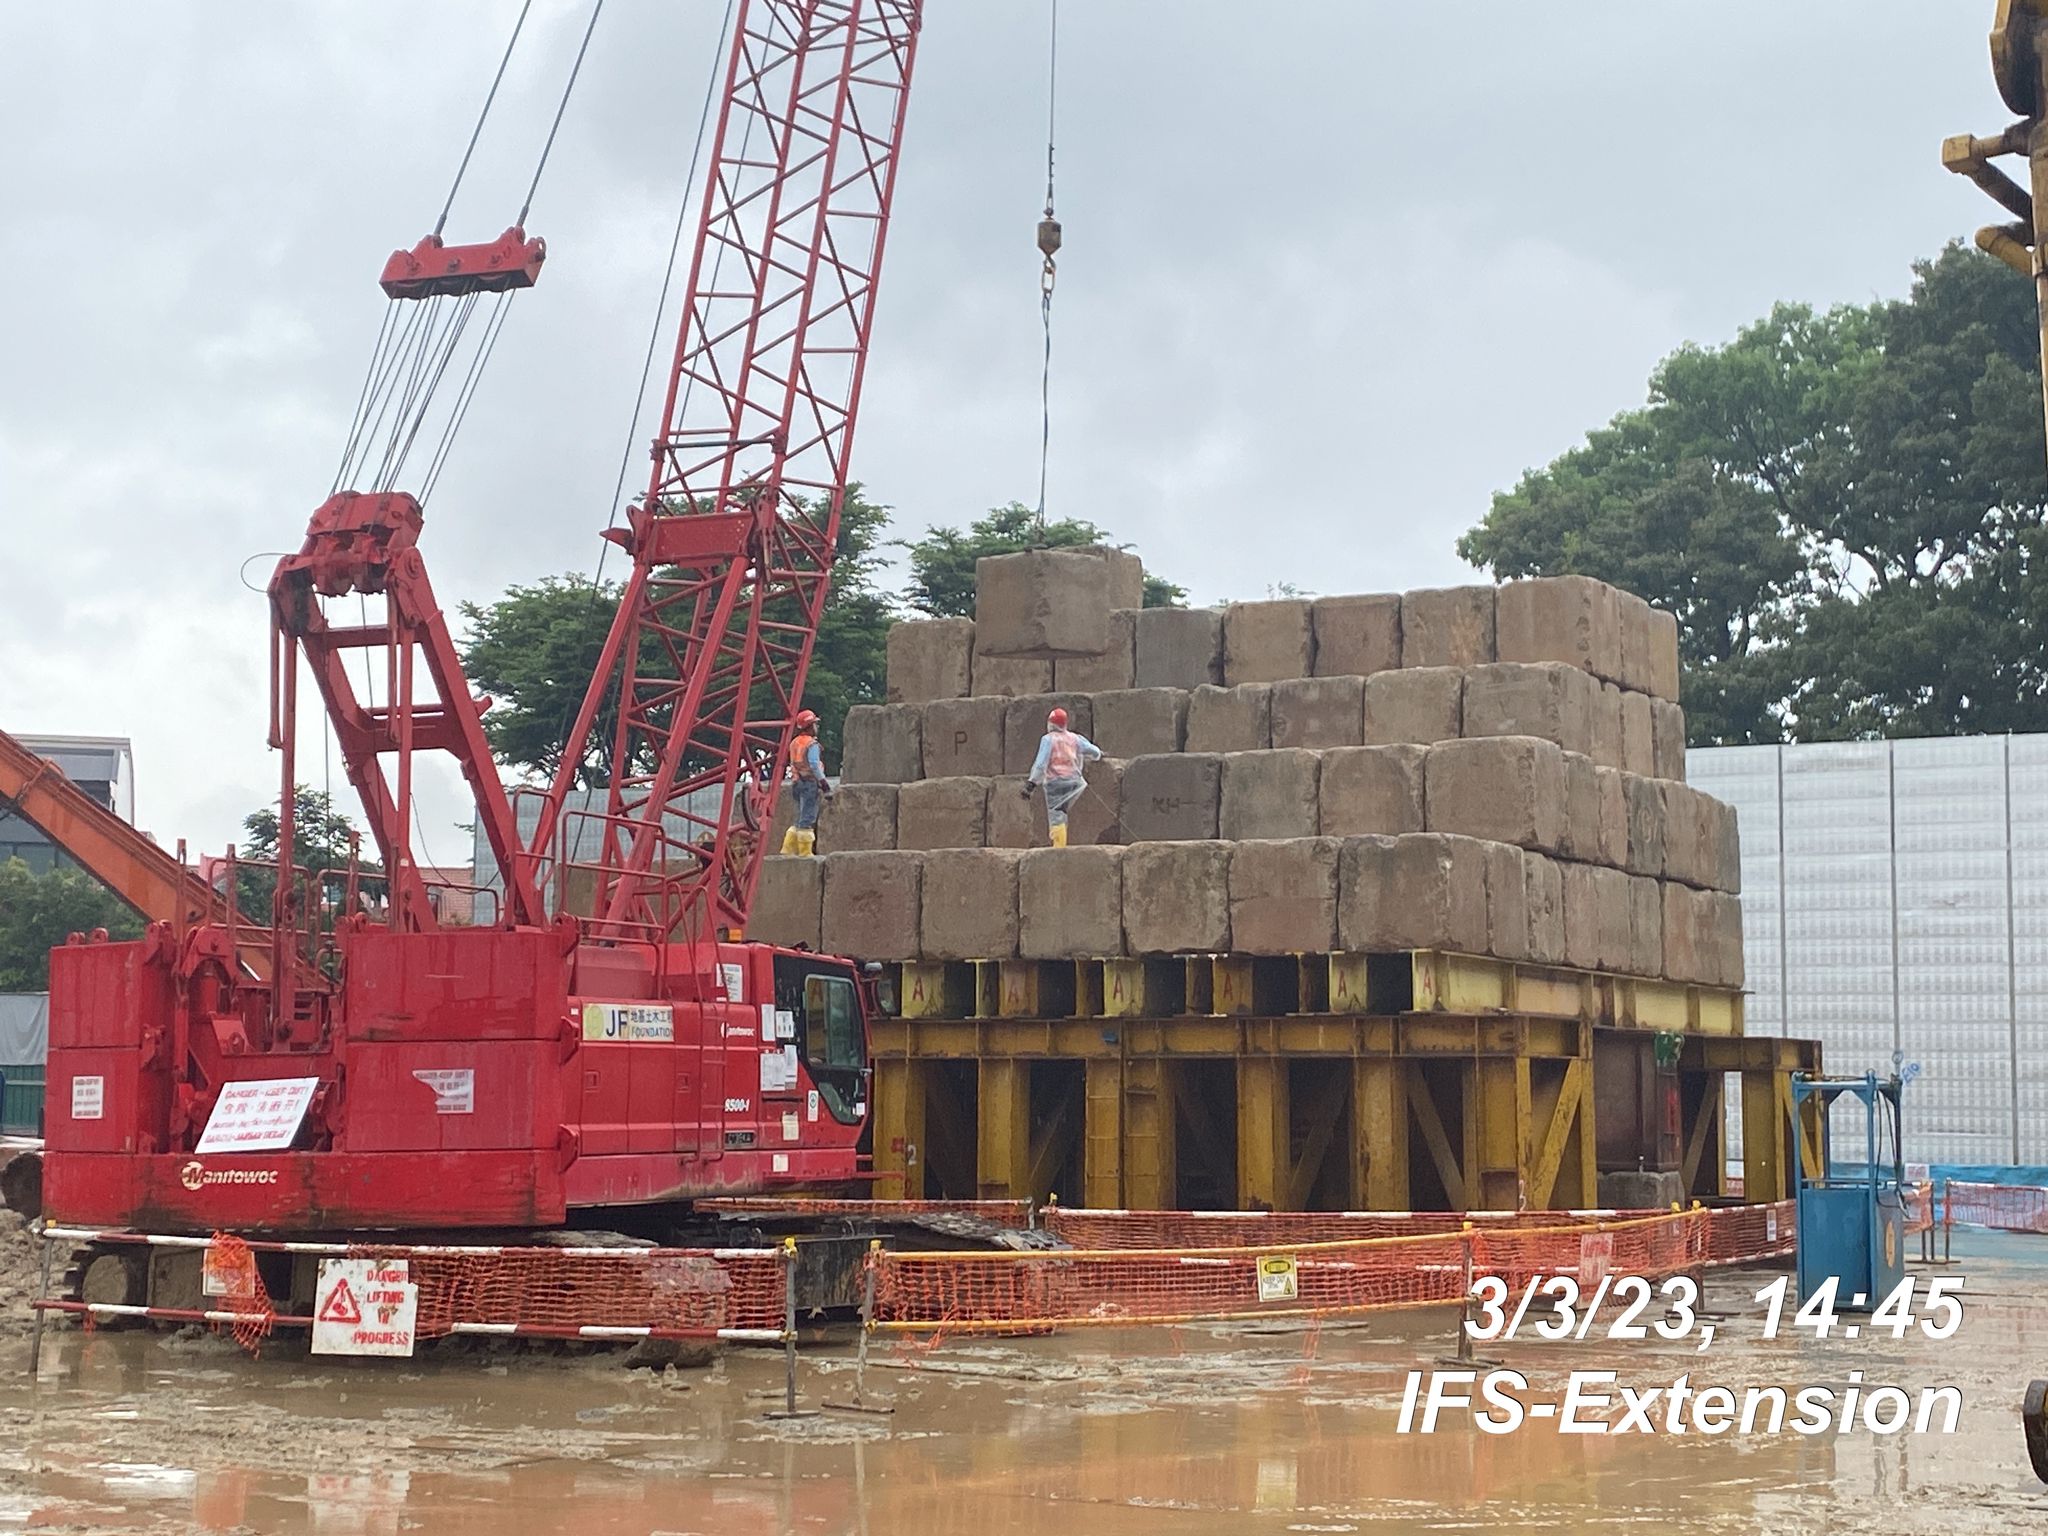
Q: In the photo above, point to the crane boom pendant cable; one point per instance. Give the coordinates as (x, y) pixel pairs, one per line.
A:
(1049, 241)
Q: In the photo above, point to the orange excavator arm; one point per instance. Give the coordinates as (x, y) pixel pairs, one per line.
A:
(131, 866)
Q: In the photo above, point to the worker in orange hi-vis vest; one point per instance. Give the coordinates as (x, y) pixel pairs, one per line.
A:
(1061, 753)
(807, 785)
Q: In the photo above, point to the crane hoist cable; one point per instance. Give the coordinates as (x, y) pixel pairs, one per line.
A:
(1049, 240)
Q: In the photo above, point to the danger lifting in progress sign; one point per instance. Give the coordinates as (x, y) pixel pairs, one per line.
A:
(364, 1307)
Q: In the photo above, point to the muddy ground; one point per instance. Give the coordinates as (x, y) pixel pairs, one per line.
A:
(1192, 1430)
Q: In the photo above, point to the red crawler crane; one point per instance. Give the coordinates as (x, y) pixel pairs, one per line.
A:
(607, 1040)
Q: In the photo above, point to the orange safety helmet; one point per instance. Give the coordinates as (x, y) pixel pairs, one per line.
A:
(805, 719)
(1057, 719)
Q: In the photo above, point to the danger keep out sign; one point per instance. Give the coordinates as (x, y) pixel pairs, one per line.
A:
(364, 1307)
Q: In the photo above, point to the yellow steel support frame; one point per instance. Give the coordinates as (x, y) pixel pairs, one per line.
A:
(1003, 1136)
(1264, 1114)
(1149, 1154)
(899, 1124)
(1102, 1151)
(1379, 1141)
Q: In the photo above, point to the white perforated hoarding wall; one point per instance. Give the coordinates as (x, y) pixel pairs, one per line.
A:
(1895, 898)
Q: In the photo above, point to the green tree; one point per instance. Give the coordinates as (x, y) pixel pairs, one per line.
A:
(38, 912)
(323, 839)
(942, 562)
(1844, 509)
(535, 649)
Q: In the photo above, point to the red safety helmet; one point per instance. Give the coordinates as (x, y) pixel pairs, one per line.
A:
(806, 718)
(1057, 719)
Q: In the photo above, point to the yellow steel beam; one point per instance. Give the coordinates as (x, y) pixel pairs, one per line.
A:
(1324, 1112)
(1766, 1165)
(1102, 1145)
(899, 1126)
(1556, 1109)
(1498, 1115)
(1422, 1105)
(1230, 985)
(1149, 1153)
(1263, 1114)
(1379, 1133)
(1003, 1139)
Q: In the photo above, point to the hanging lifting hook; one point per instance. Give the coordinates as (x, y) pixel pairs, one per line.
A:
(1048, 247)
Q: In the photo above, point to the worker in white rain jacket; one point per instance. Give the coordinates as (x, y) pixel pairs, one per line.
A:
(1061, 753)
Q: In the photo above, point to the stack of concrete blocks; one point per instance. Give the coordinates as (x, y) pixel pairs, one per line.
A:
(1493, 771)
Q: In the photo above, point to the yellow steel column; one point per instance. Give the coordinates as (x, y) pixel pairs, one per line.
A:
(1102, 1135)
(1148, 1161)
(1766, 1159)
(1379, 1110)
(1003, 1139)
(1497, 1116)
(1586, 1152)
(1263, 1114)
(899, 1125)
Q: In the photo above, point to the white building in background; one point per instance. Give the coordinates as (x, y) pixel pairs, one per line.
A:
(1895, 899)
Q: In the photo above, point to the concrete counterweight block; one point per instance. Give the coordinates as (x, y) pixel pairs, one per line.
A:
(872, 905)
(1721, 851)
(1667, 739)
(970, 904)
(1269, 794)
(1595, 812)
(1645, 927)
(1015, 820)
(1319, 712)
(1447, 627)
(1130, 722)
(1024, 725)
(1572, 619)
(1283, 896)
(930, 659)
(1415, 704)
(1681, 833)
(1647, 854)
(1597, 935)
(1663, 682)
(1638, 735)
(1507, 901)
(1681, 928)
(884, 744)
(1070, 904)
(943, 813)
(1506, 789)
(1006, 677)
(789, 903)
(1547, 699)
(1266, 642)
(964, 736)
(1097, 817)
(1721, 924)
(1044, 604)
(1607, 727)
(1396, 893)
(1172, 797)
(857, 818)
(1176, 898)
(1178, 647)
(1635, 641)
(1545, 889)
(1372, 790)
(1357, 635)
(1230, 719)
(1116, 667)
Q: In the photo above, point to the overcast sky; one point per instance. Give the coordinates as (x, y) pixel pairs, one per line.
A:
(1336, 271)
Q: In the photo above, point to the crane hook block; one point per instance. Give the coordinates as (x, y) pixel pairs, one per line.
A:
(430, 268)
(1048, 237)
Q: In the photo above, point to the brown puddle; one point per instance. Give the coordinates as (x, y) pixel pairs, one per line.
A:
(1170, 1431)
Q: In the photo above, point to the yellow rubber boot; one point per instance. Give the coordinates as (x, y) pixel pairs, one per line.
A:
(806, 843)
(790, 842)
(1059, 835)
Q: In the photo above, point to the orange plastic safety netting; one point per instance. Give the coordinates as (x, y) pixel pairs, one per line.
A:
(2007, 1207)
(988, 1292)
(566, 1290)
(229, 1272)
